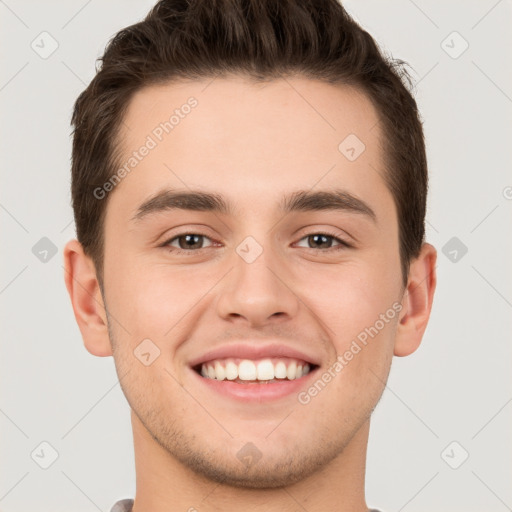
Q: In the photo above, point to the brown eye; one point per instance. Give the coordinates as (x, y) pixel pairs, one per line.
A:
(187, 242)
(323, 241)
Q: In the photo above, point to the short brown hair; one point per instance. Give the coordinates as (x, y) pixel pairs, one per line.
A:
(263, 40)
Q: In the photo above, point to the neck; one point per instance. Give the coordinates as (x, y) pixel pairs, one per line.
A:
(164, 484)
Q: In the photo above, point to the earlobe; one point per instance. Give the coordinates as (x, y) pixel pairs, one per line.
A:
(84, 292)
(416, 302)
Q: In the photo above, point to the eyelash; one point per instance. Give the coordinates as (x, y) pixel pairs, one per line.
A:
(342, 244)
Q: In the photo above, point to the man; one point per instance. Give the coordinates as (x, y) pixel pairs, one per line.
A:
(249, 183)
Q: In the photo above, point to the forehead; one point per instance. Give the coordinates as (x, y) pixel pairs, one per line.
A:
(253, 141)
(262, 111)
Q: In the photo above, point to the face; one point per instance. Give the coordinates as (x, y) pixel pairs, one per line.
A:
(295, 263)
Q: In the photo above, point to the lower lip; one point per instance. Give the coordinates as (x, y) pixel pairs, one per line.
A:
(256, 392)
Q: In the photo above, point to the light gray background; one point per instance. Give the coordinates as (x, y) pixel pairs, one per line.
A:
(456, 387)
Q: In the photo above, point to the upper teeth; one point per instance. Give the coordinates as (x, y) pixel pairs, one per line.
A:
(245, 369)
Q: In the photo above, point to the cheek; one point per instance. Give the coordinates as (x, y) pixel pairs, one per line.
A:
(150, 299)
(360, 313)
(350, 297)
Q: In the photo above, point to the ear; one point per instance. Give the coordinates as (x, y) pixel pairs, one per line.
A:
(85, 294)
(416, 302)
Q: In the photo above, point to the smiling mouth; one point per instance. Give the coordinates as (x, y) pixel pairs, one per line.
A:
(261, 371)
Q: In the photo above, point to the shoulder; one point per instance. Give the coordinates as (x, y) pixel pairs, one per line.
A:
(122, 505)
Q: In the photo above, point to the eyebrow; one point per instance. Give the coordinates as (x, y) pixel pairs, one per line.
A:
(298, 201)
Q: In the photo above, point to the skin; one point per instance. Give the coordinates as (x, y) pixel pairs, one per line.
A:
(252, 143)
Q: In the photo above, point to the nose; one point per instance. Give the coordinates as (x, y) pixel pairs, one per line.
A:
(258, 292)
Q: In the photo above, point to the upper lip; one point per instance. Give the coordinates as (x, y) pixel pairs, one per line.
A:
(255, 350)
